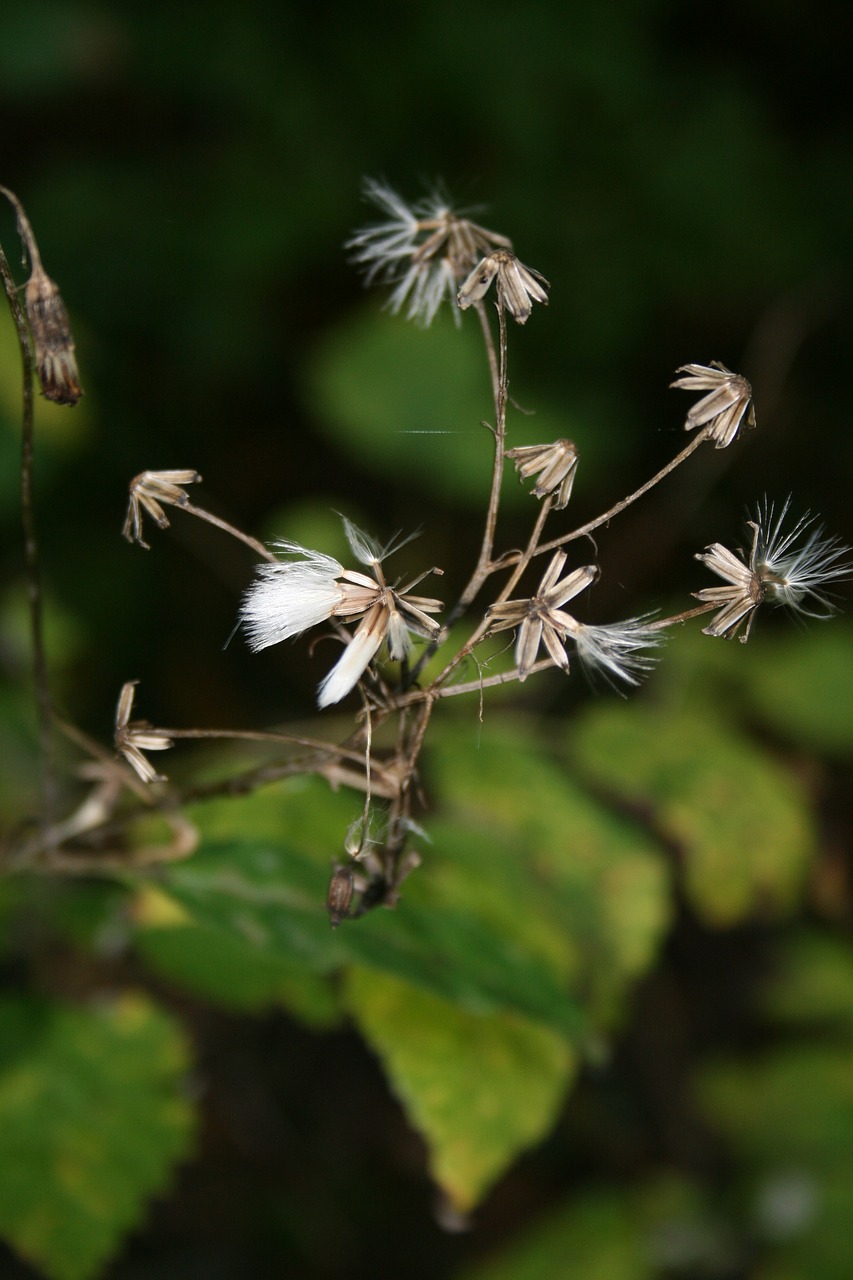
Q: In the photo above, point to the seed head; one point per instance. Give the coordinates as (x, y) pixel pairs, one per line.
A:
(784, 567)
(148, 491)
(555, 464)
(724, 408)
(291, 596)
(541, 619)
(131, 740)
(518, 287)
(424, 250)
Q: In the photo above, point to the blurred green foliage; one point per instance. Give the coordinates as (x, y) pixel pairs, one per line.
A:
(615, 1001)
(92, 1116)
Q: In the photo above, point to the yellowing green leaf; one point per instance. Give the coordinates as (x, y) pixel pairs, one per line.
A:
(273, 899)
(547, 860)
(93, 1118)
(479, 1088)
(739, 819)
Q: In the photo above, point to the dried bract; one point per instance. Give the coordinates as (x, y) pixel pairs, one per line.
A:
(724, 408)
(424, 250)
(148, 491)
(518, 287)
(131, 740)
(777, 571)
(541, 619)
(555, 464)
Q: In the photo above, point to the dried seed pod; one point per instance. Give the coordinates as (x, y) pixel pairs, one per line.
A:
(53, 344)
(339, 896)
(518, 286)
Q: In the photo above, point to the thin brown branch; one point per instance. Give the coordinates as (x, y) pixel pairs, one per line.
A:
(257, 547)
(31, 552)
(584, 529)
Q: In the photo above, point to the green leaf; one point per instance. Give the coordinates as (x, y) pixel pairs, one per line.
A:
(803, 687)
(93, 1119)
(479, 1088)
(792, 1105)
(596, 1237)
(812, 982)
(788, 1120)
(546, 861)
(739, 819)
(274, 898)
(226, 969)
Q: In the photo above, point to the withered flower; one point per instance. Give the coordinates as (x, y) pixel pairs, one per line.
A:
(53, 344)
(541, 619)
(555, 464)
(291, 596)
(728, 402)
(131, 740)
(424, 250)
(148, 491)
(518, 286)
(776, 572)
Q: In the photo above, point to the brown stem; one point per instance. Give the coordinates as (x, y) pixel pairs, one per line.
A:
(659, 623)
(470, 686)
(685, 453)
(498, 373)
(521, 564)
(252, 735)
(256, 546)
(499, 389)
(31, 553)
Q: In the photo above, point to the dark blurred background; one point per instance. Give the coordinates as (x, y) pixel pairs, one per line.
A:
(682, 175)
(192, 172)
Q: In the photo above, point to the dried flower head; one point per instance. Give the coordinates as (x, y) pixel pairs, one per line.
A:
(148, 491)
(518, 287)
(541, 619)
(777, 571)
(291, 596)
(555, 464)
(723, 409)
(424, 250)
(131, 740)
(56, 364)
(53, 343)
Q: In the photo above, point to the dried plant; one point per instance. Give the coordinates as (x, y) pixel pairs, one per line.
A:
(429, 256)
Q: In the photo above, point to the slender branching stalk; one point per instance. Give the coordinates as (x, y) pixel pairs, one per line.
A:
(431, 257)
(259, 549)
(32, 566)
